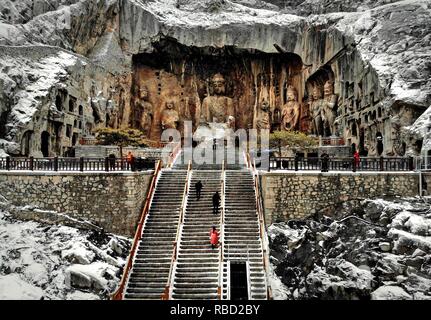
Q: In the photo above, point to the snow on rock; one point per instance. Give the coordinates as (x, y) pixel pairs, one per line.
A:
(279, 290)
(364, 246)
(92, 276)
(3, 154)
(79, 295)
(420, 130)
(57, 262)
(340, 280)
(407, 242)
(78, 253)
(13, 287)
(390, 293)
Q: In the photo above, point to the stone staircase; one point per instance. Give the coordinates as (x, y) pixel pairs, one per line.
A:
(196, 274)
(151, 264)
(241, 231)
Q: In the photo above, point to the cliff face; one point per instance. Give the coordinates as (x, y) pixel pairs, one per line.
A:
(377, 55)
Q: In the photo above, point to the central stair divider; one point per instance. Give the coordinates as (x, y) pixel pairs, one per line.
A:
(167, 295)
(118, 295)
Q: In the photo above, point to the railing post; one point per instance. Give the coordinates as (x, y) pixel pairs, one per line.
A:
(381, 163)
(31, 163)
(8, 163)
(81, 164)
(55, 163)
(353, 165)
(296, 163)
(106, 164)
(411, 166)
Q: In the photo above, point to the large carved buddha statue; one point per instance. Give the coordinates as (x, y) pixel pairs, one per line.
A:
(329, 107)
(170, 116)
(291, 110)
(218, 107)
(143, 112)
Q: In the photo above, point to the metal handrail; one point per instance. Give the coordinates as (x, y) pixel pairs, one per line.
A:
(81, 164)
(173, 155)
(262, 228)
(343, 163)
(118, 294)
(166, 295)
(222, 212)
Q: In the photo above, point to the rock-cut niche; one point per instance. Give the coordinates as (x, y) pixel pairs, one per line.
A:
(243, 88)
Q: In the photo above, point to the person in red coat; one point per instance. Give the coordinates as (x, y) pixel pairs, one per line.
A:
(214, 237)
(356, 159)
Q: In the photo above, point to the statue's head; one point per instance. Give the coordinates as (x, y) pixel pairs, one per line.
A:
(218, 84)
(328, 88)
(316, 93)
(170, 104)
(143, 92)
(292, 94)
(264, 105)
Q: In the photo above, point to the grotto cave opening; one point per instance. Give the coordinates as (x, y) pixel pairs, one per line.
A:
(246, 88)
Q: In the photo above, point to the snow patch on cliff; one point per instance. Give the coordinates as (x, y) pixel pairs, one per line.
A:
(30, 82)
(212, 14)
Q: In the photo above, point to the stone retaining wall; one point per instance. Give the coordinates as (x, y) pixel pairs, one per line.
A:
(296, 195)
(112, 201)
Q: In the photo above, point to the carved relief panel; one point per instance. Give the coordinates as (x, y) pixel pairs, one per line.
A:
(238, 88)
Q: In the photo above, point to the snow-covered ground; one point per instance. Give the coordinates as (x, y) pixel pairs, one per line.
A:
(57, 262)
(373, 249)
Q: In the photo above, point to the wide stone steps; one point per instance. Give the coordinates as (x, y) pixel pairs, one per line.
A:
(197, 270)
(151, 264)
(242, 233)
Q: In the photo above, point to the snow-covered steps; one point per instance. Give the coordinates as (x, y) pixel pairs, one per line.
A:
(152, 261)
(196, 274)
(242, 240)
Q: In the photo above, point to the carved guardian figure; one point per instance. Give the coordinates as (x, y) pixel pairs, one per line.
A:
(329, 108)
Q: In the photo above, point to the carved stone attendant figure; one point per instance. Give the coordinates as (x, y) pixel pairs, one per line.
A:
(291, 110)
(317, 111)
(170, 117)
(263, 117)
(329, 108)
(218, 107)
(143, 112)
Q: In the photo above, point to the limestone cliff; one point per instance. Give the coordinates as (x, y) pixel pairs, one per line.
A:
(377, 55)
